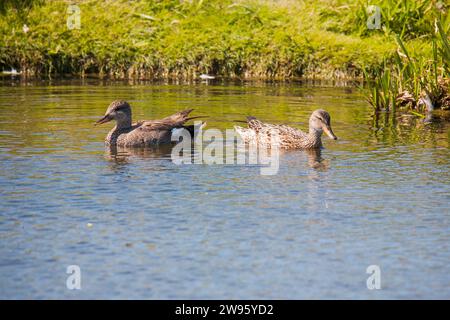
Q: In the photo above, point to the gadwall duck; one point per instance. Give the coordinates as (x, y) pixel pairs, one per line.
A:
(289, 138)
(142, 133)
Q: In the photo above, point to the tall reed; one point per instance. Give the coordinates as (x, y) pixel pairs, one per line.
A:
(413, 82)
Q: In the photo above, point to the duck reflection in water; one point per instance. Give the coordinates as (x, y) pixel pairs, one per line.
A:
(124, 155)
(315, 159)
(127, 154)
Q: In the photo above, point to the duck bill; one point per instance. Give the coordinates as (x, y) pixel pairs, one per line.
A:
(329, 132)
(105, 119)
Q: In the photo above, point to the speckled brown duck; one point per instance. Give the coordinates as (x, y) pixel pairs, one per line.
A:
(142, 133)
(289, 138)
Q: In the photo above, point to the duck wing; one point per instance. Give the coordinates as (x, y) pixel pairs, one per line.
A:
(154, 125)
(176, 120)
(282, 130)
(261, 133)
(153, 132)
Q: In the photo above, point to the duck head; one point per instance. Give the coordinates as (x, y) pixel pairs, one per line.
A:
(120, 111)
(320, 122)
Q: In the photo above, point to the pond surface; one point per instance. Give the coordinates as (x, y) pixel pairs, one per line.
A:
(140, 226)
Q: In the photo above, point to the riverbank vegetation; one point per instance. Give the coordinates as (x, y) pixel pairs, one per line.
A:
(404, 55)
(408, 79)
(173, 38)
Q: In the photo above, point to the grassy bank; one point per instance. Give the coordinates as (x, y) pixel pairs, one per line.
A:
(242, 38)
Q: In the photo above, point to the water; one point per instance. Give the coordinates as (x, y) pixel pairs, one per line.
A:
(140, 226)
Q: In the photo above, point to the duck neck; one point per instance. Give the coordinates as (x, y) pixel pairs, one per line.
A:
(123, 123)
(315, 135)
(121, 127)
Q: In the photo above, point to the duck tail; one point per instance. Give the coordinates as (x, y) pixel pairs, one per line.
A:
(248, 119)
(179, 118)
(197, 117)
(184, 113)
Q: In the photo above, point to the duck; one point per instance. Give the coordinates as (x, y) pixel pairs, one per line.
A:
(260, 133)
(142, 133)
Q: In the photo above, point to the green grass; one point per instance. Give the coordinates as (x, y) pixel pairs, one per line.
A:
(412, 81)
(282, 39)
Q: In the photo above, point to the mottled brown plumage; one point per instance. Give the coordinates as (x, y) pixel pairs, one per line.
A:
(141, 133)
(288, 138)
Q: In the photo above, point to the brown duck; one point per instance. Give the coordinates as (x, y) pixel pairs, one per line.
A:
(289, 138)
(142, 133)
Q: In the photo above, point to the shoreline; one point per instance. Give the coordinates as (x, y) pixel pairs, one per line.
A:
(312, 82)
